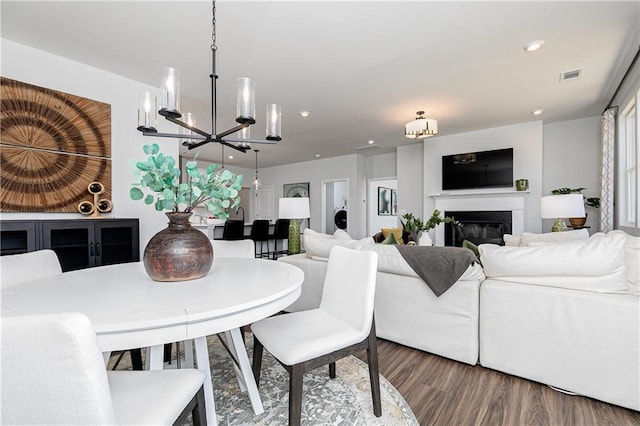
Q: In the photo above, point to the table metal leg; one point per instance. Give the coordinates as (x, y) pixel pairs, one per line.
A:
(202, 361)
(252, 389)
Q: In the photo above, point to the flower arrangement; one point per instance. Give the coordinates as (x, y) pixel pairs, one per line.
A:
(217, 189)
(414, 224)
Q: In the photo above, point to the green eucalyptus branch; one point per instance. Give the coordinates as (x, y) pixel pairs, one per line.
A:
(158, 183)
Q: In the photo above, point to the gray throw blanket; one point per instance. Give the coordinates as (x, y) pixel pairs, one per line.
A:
(439, 267)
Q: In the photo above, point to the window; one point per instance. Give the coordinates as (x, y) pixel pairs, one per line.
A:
(629, 161)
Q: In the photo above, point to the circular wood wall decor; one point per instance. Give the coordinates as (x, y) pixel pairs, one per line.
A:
(52, 145)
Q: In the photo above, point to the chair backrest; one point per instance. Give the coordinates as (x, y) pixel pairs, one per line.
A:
(240, 248)
(53, 372)
(260, 230)
(281, 229)
(349, 287)
(233, 230)
(20, 268)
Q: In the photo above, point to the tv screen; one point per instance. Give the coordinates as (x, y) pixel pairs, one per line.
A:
(483, 169)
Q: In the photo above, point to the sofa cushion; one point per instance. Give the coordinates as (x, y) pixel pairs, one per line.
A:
(318, 245)
(397, 232)
(554, 237)
(596, 264)
(511, 240)
(632, 259)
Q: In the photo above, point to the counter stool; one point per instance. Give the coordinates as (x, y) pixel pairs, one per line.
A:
(260, 234)
(280, 233)
(233, 230)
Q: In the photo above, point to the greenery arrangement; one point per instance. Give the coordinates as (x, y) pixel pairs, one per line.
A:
(217, 190)
(414, 224)
(588, 201)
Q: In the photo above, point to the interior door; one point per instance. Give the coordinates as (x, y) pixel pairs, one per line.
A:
(265, 203)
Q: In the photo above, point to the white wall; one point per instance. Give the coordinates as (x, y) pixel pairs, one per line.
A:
(571, 158)
(526, 141)
(410, 179)
(40, 68)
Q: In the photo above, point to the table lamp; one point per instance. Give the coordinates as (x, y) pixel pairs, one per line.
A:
(561, 206)
(294, 208)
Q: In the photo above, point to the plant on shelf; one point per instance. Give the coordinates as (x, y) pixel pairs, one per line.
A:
(414, 225)
(218, 189)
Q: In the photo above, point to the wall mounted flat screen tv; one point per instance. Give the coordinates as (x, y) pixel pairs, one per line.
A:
(483, 169)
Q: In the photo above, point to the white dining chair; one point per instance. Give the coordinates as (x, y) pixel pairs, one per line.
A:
(53, 373)
(343, 324)
(233, 248)
(20, 268)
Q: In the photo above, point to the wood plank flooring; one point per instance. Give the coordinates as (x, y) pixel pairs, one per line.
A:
(445, 392)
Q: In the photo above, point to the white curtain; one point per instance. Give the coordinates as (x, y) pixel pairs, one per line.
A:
(607, 137)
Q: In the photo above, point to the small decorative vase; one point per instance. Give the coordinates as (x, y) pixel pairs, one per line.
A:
(425, 239)
(578, 222)
(294, 237)
(178, 252)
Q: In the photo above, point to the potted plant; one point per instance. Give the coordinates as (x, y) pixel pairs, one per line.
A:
(415, 225)
(180, 252)
(594, 202)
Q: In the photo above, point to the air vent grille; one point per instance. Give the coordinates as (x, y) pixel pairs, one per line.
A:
(372, 146)
(570, 75)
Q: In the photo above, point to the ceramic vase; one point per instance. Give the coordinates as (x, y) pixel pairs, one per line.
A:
(178, 252)
(425, 239)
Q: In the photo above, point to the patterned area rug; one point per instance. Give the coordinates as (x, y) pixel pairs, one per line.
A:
(345, 400)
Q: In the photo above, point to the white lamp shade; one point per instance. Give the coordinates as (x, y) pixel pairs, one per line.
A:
(561, 206)
(294, 208)
(421, 128)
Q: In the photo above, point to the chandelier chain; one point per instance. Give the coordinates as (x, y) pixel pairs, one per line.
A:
(213, 25)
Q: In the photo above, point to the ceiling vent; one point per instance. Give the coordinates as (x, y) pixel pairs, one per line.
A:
(570, 75)
(369, 146)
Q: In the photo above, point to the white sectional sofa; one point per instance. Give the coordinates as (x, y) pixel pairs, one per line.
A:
(567, 315)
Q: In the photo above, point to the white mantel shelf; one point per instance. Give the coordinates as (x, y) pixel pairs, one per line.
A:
(480, 194)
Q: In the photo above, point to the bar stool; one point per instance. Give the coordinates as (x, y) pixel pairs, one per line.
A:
(260, 234)
(233, 230)
(280, 233)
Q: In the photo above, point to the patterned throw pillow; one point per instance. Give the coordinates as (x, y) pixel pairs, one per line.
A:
(391, 239)
(397, 232)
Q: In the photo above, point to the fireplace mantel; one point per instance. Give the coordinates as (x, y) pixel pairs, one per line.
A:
(513, 201)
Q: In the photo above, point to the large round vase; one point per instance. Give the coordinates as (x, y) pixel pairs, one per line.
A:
(178, 252)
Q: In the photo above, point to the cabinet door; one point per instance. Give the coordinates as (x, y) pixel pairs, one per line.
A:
(117, 241)
(72, 240)
(18, 236)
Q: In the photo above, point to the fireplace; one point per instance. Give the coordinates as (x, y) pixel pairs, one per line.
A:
(479, 227)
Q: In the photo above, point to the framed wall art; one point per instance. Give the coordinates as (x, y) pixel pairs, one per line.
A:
(295, 190)
(394, 202)
(53, 146)
(384, 201)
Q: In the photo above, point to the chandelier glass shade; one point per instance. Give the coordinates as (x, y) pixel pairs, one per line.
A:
(193, 137)
(422, 127)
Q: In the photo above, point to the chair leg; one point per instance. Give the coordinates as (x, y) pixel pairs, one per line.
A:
(257, 360)
(332, 370)
(199, 414)
(296, 372)
(374, 373)
(136, 359)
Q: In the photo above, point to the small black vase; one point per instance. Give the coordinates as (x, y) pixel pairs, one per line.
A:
(178, 252)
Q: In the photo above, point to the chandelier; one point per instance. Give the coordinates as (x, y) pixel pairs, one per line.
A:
(422, 127)
(193, 137)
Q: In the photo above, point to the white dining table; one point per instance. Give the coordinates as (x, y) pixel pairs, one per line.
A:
(129, 310)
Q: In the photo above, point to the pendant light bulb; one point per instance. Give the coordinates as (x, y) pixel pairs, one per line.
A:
(256, 182)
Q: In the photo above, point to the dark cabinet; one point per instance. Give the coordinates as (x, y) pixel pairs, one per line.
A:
(81, 243)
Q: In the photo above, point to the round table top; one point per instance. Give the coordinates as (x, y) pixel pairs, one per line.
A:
(123, 298)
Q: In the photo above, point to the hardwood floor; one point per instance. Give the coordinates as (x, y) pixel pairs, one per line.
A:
(445, 392)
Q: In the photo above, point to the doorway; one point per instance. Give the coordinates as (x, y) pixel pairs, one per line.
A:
(335, 205)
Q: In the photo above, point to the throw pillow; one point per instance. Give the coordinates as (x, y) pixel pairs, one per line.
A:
(397, 232)
(391, 239)
(473, 247)
(342, 235)
(554, 237)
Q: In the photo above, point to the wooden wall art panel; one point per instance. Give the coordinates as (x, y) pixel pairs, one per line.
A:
(52, 146)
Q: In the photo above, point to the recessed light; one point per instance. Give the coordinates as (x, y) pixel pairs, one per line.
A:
(532, 46)
(370, 142)
(537, 112)
(304, 114)
(230, 157)
(317, 155)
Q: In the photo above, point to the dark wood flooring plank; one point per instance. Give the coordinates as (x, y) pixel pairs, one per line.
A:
(445, 392)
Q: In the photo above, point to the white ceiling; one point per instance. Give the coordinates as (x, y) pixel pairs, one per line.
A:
(362, 68)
